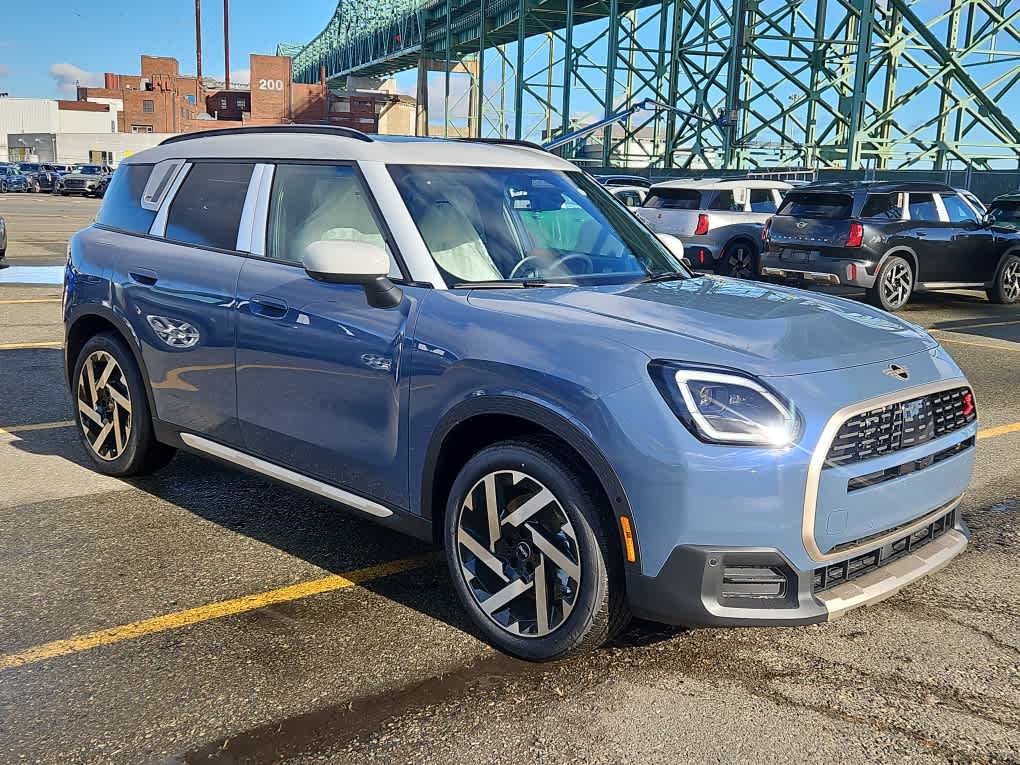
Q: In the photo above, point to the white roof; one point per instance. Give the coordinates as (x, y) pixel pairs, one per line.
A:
(279, 143)
(721, 184)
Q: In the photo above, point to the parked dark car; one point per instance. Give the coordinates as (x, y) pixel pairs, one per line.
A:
(1005, 210)
(41, 176)
(3, 238)
(893, 239)
(12, 180)
(87, 180)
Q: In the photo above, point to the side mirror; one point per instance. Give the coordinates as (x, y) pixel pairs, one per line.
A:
(673, 244)
(988, 220)
(339, 262)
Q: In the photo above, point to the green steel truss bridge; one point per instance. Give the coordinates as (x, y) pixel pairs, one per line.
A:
(883, 84)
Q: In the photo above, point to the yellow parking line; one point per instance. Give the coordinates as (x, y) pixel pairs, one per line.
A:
(23, 346)
(977, 345)
(1001, 430)
(29, 300)
(37, 426)
(178, 619)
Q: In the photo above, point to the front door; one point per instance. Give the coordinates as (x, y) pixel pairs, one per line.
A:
(974, 249)
(320, 380)
(931, 237)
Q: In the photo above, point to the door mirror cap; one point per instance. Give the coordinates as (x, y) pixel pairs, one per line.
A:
(673, 244)
(340, 262)
(988, 220)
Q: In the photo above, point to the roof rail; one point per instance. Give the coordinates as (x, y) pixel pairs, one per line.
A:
(335, 130)
(506, 142)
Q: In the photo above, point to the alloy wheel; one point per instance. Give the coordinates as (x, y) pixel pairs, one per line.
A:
(740, 262)
(1011, 281)
(104, 405)
(897, 282)
(517, 551)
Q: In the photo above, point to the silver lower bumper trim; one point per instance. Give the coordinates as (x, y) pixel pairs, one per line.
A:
(810, 276)
(891, 578)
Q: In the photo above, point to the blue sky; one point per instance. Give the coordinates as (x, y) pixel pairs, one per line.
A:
(42, 52)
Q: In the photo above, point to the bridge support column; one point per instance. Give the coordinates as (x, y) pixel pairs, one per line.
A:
(421, 117)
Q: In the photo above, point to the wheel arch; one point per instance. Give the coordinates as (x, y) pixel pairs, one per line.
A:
(901, 252)
(476, 423)
(94, 320)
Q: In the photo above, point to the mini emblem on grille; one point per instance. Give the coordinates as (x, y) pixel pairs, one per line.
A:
(802, 224)
(895, 370)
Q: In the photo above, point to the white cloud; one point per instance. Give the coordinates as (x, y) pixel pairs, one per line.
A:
(69, 76)
(5, 70)
(240, 77)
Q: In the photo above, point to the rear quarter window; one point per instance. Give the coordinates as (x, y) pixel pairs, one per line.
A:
(122, 203)
(883, 206)
(673, 199)
(816, 204)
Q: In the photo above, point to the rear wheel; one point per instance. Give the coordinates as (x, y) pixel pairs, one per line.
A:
(1007, 282)
(114, 422)
(3, 187)
(530, 553)
(894, 285)
(739, 260)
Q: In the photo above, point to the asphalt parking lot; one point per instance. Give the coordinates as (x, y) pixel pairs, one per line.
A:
(203, 615)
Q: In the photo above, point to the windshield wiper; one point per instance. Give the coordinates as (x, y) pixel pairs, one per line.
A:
(666, 276)
(517, 284)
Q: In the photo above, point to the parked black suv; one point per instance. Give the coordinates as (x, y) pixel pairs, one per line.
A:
(892, 239)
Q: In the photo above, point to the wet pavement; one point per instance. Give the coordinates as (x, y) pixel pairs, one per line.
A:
(205, 615)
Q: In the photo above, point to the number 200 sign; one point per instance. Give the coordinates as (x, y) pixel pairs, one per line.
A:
(270, 84)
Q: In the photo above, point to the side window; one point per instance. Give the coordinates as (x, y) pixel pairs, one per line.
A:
(884, 206)
(762, 201)
(959, 211)
(207, 208)
(310, 203)
(723, 201)
(122, 203)
(922, 208)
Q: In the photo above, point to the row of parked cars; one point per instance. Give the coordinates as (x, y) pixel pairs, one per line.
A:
(85, 179)
(891, 238)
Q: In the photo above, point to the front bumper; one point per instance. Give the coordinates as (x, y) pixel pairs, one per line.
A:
(821, 270)
(713, 586)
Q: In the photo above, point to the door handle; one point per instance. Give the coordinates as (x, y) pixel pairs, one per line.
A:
(263, 305)
(922, 234)
(144, 276)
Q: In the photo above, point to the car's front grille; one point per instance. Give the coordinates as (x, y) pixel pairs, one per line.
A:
(848, 570)
(74, 183)
(901, 426)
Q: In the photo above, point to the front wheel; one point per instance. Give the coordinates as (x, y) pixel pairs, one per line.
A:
(739, 260)
(531, 553)
(893, 286)
(1007, 282)
(114, 422)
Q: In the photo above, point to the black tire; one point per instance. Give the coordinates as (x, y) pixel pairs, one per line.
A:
(64, 193)
(894, 285)
(599, 609)
(741, 260)
(3, 187)
(1006, 289)
(139, 452)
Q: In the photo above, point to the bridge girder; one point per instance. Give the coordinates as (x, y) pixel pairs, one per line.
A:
(829, 83)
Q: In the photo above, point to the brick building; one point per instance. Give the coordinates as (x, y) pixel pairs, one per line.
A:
(162, 100)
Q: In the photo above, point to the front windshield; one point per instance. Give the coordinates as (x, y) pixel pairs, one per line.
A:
(88, 170)
(506, 224)
(26, 167)
(1006, 213)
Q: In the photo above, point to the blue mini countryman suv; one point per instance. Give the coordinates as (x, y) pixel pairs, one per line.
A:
(474, 343)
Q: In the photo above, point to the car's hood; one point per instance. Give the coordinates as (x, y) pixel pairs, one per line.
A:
(761, 328)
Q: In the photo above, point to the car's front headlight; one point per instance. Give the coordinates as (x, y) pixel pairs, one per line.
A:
(725, 406)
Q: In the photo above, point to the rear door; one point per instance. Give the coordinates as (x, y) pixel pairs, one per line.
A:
(975, 253)
(932, 237)
(177, 288)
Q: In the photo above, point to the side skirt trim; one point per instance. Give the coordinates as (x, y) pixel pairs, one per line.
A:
(287, 476)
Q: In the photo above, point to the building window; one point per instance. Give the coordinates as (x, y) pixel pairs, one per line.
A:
(141, 128)
(148, 106)
(223, 102)
(190, 99)
(242, 104)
